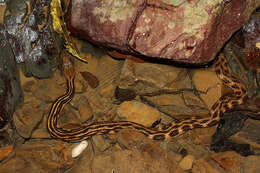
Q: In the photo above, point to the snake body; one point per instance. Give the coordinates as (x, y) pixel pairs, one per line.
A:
(224, 103)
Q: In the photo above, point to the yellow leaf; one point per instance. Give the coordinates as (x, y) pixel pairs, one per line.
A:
(60, 27)
(257, 45)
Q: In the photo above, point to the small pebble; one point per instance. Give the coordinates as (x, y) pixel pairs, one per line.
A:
(186, 162)
(78, 149)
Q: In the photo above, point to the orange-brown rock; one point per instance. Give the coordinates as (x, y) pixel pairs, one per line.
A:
(39, 156)
(5, 152)
(138, 112)
(184, 31)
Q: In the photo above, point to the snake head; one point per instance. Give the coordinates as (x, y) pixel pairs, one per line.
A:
(68, 68)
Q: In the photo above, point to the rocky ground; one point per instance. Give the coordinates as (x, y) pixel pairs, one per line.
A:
(123, 90)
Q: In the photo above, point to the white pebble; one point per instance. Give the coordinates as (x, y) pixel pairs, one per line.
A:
(77, 150)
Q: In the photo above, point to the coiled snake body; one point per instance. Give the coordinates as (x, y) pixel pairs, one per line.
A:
(224, 103)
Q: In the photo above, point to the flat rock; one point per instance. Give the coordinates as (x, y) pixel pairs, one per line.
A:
(151, 77)
(218, 163)
(27, 117)
(138, 112)
(84, 109)
(184, 31)
(5, 152)
(132, 162)
(226, 162)
(251, 164)
(48, 90)
(141, 155)
(178, 92)
(249, 134)
(39, 156)
(100, 143)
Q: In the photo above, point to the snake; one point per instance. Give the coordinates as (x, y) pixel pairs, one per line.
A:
(226, 102)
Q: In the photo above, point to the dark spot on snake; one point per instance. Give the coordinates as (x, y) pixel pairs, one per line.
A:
(215, 114)
(235, 86)
(222, 59)
(186, 128)
(174, 133)
(156, 123)
(238, 92)
(225, 81)
(187, 122)
(159, 137)
(193, 121)
(243, 90)
(225, 107)
(110, 125)
(197, 126)
(185, 119)
(222, 98)
(215, 106)
(212, 123)
(236, 80)
(225, 101)
(217, 64)
(234, 103)
(217, 71)
(225, 64)
(226, 71)
(177, 121)
(166, 126)
(176, 126)
(204, 121)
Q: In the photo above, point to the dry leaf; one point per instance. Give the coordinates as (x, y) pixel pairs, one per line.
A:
(90, 78)
(60, 27)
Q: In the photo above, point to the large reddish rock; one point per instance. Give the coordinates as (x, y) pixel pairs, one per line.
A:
(251, 33)
(185, 31)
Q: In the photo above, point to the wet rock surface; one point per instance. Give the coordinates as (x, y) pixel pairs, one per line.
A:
(10, 89)
(251, 35)
(229, 125)
(245, 44)
(35, 157)
(184, 31)
(115, 152)
(28, 30)
(175, 91)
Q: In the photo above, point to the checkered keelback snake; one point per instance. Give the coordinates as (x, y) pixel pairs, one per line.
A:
(224, 103)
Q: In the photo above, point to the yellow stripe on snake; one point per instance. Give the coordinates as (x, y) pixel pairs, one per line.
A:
(224, 103)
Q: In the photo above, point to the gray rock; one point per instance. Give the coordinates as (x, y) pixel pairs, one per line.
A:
(31, 39)
(10, 89)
